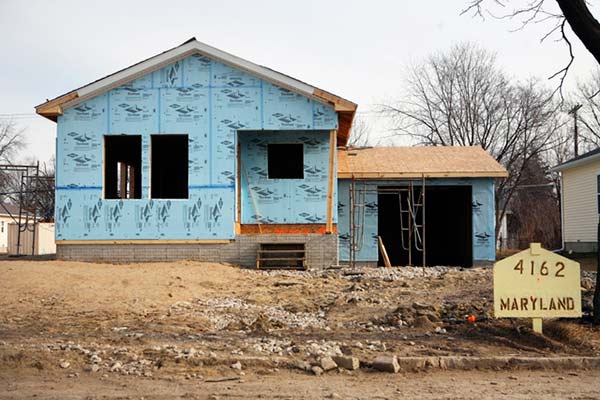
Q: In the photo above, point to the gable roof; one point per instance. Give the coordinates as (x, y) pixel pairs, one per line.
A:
(579, 160)
(418, 162)
(345, 109)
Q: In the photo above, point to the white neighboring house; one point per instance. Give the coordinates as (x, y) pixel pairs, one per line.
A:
(580, 201)
(5, 218)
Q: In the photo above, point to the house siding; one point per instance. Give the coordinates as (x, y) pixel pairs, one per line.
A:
(580, 205)
(197, 96)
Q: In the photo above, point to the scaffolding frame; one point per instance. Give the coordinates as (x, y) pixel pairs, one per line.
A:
(415, 231)
(28, 185)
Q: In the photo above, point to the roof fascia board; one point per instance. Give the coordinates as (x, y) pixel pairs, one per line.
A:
(576, 163)
(404, 175)
(178, 53)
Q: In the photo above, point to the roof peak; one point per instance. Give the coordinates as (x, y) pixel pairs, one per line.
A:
(53, 108)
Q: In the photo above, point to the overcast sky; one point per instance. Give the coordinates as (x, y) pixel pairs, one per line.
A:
(356, 49)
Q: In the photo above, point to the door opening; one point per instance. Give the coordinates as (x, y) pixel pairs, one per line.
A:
(447, 229)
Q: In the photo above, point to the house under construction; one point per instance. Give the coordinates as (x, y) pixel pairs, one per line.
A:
(198, 154)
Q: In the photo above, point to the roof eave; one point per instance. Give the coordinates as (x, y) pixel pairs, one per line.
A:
(419, 175)
(576, 163)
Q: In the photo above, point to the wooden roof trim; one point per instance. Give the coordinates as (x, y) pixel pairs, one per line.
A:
(52, 108)
(405, 175)
(339, 103)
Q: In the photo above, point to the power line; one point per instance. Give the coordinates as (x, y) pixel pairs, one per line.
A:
(17, 117)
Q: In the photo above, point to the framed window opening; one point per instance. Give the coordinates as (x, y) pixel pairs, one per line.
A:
(122, 167)
(285, 160)
(169, 167)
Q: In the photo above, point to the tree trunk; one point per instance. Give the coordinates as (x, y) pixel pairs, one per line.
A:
(587, 29)
(596, 302)
(583, 23)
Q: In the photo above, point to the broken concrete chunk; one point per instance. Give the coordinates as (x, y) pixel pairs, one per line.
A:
(351, 363)
(386, 364)
(303, 365)
(328, 364)
(116, 367)
(91, 368)
(317, 370)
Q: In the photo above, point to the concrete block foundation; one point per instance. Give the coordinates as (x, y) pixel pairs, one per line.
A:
(321, 250)
(581, 247)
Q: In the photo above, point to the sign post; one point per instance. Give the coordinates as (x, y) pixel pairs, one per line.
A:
(537, 283)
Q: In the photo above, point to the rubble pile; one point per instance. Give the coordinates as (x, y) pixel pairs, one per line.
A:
(236, 314)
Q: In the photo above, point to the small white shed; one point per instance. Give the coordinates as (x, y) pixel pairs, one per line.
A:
(36, 241)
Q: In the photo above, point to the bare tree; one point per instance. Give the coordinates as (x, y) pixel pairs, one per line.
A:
(589, 113)
(11, 141)
(574, 12)
(540, 223)
(560, 152)
(461, 98)
(43, 201)
(360, 133)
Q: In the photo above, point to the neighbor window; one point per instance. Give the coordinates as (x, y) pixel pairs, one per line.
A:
(122, 167)
(286, 161)
(169, 167)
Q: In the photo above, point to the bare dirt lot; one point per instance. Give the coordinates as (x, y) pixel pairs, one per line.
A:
(165, 330)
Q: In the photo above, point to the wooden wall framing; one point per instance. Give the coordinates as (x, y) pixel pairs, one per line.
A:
(332, 173)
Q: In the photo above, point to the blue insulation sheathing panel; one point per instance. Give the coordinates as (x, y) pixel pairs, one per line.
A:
(483, 220)
(211, 103)
(284, 201)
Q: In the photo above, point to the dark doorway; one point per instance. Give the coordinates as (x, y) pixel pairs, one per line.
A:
(169, 167)
(447, 225)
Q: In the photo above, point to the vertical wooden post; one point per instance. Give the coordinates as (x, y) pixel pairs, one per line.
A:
(537, 325)
(132, 192)
(238, 186)
(332, 174)
(123, 180)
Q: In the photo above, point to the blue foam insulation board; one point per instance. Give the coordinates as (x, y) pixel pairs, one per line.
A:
(213, 104)
(284, 201)
(483, 221)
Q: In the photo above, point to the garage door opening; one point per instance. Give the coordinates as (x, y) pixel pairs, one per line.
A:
(448, 228)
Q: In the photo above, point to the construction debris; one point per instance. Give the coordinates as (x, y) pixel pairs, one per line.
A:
(386, 364)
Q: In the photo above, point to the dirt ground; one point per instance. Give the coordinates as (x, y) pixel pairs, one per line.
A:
(164, 330)
(475, 385)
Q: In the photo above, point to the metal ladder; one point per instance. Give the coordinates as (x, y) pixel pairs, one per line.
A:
(409, 212)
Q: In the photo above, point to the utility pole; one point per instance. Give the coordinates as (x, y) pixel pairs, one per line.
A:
(573, 111)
